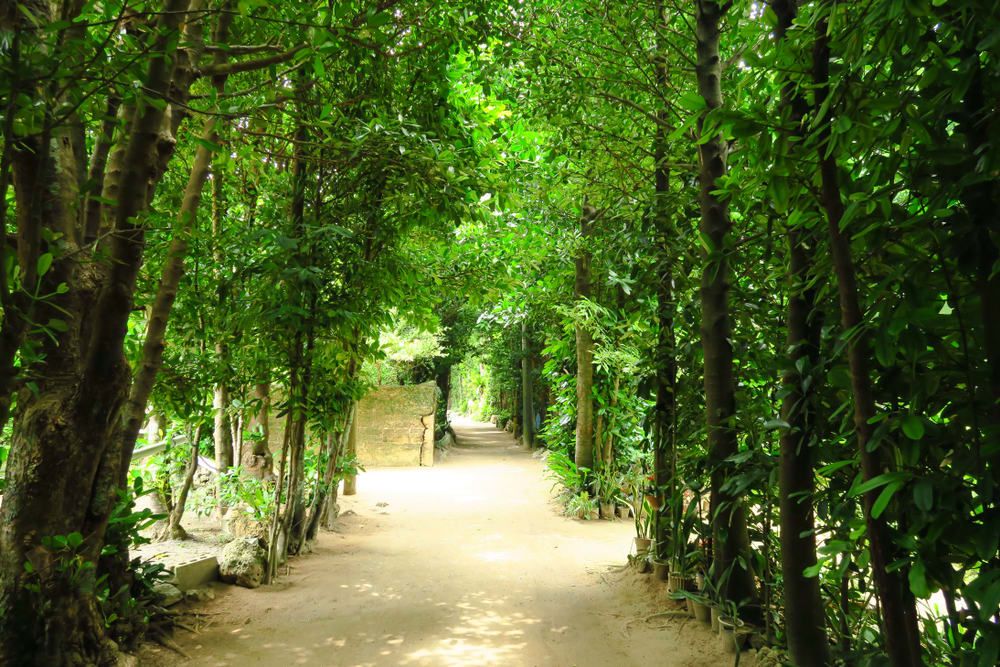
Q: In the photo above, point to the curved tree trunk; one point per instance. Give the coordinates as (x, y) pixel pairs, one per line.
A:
(899, 616)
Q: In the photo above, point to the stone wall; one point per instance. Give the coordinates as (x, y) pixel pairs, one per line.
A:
(396, 426)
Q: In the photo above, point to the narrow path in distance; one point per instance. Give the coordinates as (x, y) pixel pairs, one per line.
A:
(464, 564)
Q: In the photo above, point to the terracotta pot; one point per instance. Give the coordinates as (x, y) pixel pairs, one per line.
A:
(661, 570)
(608, 511)
(623, 512)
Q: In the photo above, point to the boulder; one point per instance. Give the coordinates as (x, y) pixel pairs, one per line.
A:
(240, 522)
(171, 594)
(243, 562)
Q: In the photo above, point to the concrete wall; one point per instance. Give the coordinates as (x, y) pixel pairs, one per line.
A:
(396, 426)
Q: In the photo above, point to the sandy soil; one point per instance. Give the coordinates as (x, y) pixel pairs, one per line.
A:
(464, 564)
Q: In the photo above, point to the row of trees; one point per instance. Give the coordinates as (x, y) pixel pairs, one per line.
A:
(756, 247)
(211, 210)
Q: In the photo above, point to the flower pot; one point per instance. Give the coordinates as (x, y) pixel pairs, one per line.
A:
(714, 618)
(703, 613)
(661, 570)
(678, 582)
(690, 607)
(642, 545)
(608, 511)
(730, 636)
(623, 512)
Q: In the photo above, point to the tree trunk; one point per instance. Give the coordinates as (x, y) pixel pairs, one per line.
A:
(257, 459)
(351, 481)
(166, 294)
(528, 409)
(731, 542)
(665, 410)
(222, 435)
(65, 460)
(173, 529)
(584, 455)
(805, 620)
(899, 617)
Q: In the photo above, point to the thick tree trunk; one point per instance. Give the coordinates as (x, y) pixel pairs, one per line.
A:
(899, 618)
(584, 455)
(730, 539)
(65, 461)
(805, 620)
(528, 409)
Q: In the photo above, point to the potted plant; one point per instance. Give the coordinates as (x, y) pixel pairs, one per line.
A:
(730, 627)
(608, 482)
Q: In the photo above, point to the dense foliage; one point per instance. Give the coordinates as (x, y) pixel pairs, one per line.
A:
(736, 265)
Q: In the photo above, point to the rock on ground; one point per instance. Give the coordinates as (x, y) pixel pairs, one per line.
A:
(243, 562)
(240, 522)
(170, 593)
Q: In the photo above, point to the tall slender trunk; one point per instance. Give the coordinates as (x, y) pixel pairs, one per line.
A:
(173, 530)
(899, 617)
(730, 539)
(527, 410)
(665, 409)
(173, 267)
(584, 455)
(805, 620)
(222, 435)
(351, 481)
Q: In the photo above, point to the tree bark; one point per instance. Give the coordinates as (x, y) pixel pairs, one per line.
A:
(173, 529)
(805, 620)
(899, 618)
(173, 267)
(65, 461)
(351, 481)
(528, 410)
(584, 455)
(258, 460)
(731, 542)
(665, 409)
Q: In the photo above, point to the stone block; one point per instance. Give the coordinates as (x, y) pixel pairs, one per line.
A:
(195, 573)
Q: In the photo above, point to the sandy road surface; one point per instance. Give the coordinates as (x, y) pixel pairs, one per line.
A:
(464, 564)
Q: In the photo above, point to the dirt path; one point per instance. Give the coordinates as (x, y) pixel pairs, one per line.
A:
(467, 563)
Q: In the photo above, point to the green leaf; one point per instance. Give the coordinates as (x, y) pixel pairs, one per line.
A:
(43, 264)
(883, 499)
(918, 581)
(57, 325)
(923, 495)
(913, 427)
